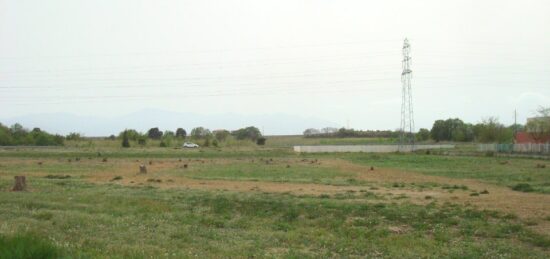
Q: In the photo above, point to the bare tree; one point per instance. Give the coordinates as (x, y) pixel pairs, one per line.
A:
(539, 127)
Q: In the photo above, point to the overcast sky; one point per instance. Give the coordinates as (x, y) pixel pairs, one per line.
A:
(338, 61)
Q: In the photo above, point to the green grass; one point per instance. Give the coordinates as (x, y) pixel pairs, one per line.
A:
(289, 141)
(264, 170)
(27, 246)
(64, 216)
(113, 221)
(488, 169)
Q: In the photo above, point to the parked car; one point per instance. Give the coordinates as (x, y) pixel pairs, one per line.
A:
(190, 145)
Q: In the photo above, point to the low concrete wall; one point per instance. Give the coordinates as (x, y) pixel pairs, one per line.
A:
(367, 148)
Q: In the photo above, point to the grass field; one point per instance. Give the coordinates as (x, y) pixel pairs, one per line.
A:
(90, 201)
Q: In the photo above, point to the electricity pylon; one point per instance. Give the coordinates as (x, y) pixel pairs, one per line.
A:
(406, 138)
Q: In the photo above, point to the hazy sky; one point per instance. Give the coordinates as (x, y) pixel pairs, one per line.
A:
(334, 60)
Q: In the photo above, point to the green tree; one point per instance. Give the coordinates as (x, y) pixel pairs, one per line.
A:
(251, 133)
(423, 135)
(221, 135)
(451, 130)
(490, 130)
(132, 134)
(154, 133)
(181, 133)
(167, 139)
(201, 133)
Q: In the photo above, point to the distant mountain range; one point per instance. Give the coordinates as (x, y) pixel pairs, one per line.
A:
(64, 123)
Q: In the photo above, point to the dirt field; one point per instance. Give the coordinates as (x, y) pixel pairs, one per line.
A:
(528, 206)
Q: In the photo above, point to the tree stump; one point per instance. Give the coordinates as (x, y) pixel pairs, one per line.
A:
(20, 184)
(142, 169)
(185, 166)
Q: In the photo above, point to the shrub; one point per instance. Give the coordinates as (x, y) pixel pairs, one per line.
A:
(125, 141)
(261, 141)
(523, 187)
(71, 136)
(116, 178)
(142, 141)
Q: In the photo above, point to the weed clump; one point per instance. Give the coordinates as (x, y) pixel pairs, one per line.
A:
(51, 176)
(484, 192)
(116, 178)
(523, 187)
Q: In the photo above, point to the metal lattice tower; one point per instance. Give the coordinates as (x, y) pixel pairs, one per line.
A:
(406, 137)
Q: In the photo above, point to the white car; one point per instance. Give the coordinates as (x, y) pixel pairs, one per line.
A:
(190, 145)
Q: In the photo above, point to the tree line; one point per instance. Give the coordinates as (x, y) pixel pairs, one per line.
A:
(207, 136)
(348, 133)
(489, 130)
(17, 135)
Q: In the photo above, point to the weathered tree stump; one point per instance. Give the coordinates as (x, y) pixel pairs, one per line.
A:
(185, 166)
(20, 184)
(142, 169)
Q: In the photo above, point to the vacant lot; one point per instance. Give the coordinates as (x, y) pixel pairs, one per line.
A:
(270, 202)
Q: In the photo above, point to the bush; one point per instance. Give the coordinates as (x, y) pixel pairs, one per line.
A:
(27, 246)
(251, 133)
(523, 187)
(125, 141)
(261, 141)
(72, 136)
(142, 141)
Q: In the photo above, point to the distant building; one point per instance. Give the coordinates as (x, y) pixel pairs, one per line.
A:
(525, 137)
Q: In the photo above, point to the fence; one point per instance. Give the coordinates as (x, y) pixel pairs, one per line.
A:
(367, 148)
(515, 148)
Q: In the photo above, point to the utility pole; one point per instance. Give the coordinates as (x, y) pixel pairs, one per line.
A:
(406, 138)
(515, 122)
